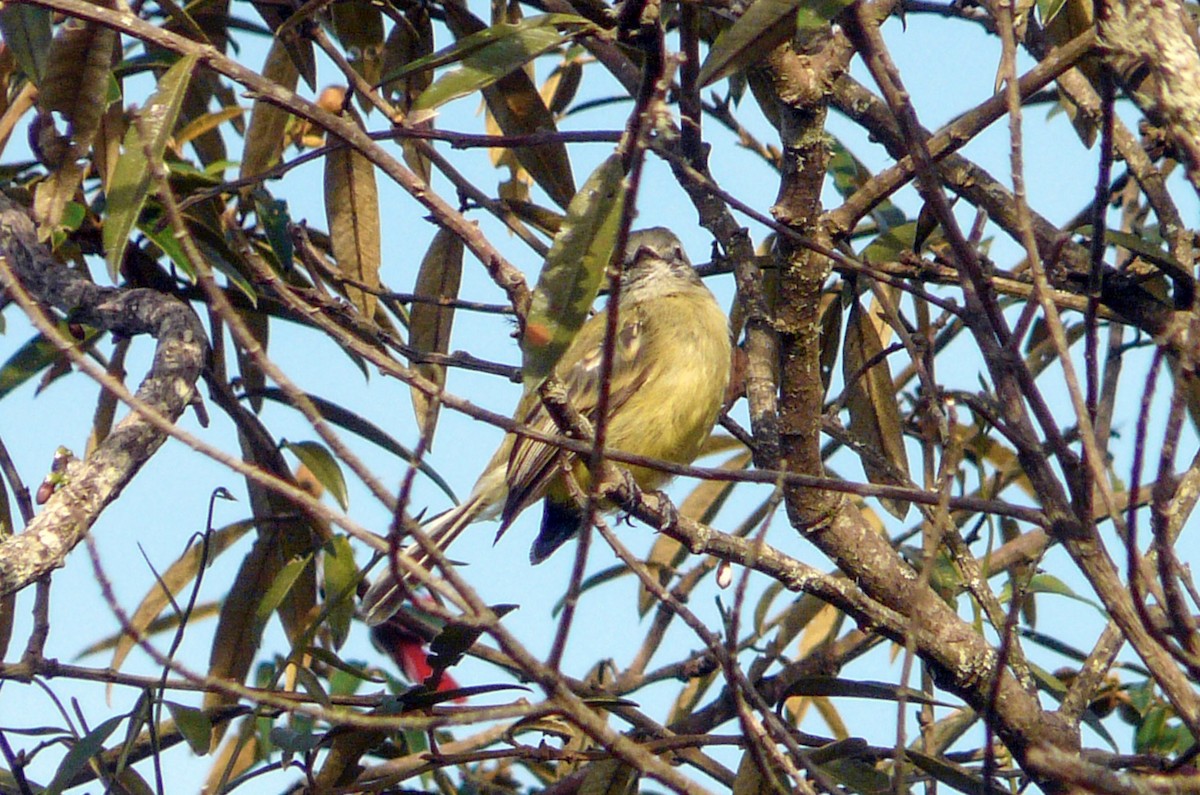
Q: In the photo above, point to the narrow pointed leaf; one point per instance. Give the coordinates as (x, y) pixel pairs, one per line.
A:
(358, 25)
(473, 41)
(429, 324)
(764, 25)
(27, 33)
(265, 134)
(172, 583)
(875, 419)
(574, 268)
(282, 585)
(518, 108)
(352, 207)
(195, 726)
(79, 754)
(341, 578)
(32, 358)
(486, 65)
(372, 433)
(324, 467)
(131, 180)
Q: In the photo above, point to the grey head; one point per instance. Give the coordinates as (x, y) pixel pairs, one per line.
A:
(655, 261)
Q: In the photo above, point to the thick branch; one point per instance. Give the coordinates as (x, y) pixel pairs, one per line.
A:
(92, 484)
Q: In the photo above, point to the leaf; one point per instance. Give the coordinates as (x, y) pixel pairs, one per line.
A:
(324, 467)
(195, 726)
(80, 752)
(576, 264)
(283, 21)
(265, 135)
(367, 430)
(205, 124)
(75, 85)
(358, 25)
(1048, 583)
(253, 377)
(341, 581)
(409, 43)
(356, 671)
(765, 25)
(593, 581)
(238, 632)
(608, 777)
(27, 32)
(858, 776)
(471, 42)
(836, 687)
(486, 65)
(831, 335)
(131, 179)
(34, 356)
(449, 646)
(875, 419)
(815, 16)
(280, 586)
(1146, 249)
(952, 775)
(751, 780)
(429, 324)
(275, 219)
(518, 108)
(177, 577)
(352, 207)
(701, 505)
(8, 602)
(849, 174)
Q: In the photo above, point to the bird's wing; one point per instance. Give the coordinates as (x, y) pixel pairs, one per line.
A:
(533, 464)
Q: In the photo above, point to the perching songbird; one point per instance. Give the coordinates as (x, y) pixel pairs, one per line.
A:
(670, 370)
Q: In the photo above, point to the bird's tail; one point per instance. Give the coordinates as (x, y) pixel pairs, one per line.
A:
(387, 594)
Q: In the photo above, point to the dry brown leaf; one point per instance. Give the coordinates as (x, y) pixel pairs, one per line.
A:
(430, 324)
(265, 137)
(352, 207)
(875, 419)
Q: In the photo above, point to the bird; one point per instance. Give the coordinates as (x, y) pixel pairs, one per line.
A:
(669, 373)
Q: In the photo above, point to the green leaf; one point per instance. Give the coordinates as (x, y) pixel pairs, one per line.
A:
(608, 777)
(764, 25)
(430, 322)
(27, 32)
(849, 174)
(354, 423)
(952, 775)
(1048, 9)
(1139, 245)
(131, 178)
(468, 45)
(574, 269)
(357, 671)
(324, 468)
(195, 726)
(81, 751)
(1048, 583)
(487, 65)
(34, 356)
(274, 216)
(341, 581)
(280, 587)
(815, 15)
